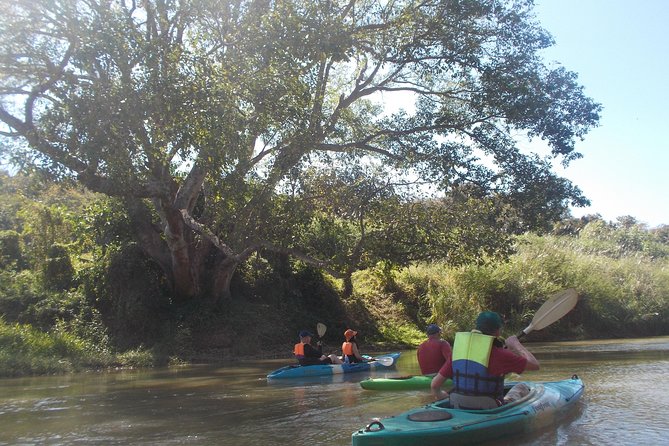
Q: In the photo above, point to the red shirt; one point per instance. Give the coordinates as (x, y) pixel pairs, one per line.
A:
(502, 361)
(432, 354)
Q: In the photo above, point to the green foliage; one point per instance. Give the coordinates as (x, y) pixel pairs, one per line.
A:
(404, 334)
(103, 223)
(10, 250)
(137, 358)
(619, 241)
(43, 227)
(206, 119)
(19, 292)
(128, 291)
(24, 349)
(623, 286)
(58, 269)
(624, 296)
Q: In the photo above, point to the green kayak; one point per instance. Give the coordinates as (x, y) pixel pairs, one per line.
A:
(437, 424)
(410, 382)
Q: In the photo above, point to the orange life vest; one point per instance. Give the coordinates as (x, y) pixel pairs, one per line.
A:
(298, 351)
(347, 348)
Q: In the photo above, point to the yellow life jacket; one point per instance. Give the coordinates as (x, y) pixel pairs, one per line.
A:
(471, 355)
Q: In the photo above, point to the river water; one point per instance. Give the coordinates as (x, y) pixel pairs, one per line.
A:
(626, 402)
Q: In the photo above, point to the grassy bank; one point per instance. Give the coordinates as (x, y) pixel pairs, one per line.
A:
(621, 295)
(26, 350)
(623, 288)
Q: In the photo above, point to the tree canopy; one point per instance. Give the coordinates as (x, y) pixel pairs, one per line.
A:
(216, 121)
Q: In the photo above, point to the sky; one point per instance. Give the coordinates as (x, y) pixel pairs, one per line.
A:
(620, 51)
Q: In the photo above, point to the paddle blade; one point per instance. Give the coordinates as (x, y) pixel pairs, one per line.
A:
(385, 360)
(320, 329)
(552, 310)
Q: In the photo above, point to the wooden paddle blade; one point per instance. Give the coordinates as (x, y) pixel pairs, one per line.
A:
(552, 310)
(320, 329)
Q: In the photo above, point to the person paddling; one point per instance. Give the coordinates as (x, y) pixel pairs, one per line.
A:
(306, 354)
(478, 364)
(349, 348)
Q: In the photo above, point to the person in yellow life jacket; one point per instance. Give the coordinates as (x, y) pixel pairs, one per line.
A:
(349, 348)
(478, 364)
(307, 354)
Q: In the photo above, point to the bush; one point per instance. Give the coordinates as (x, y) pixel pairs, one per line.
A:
(129, 292)
(58, 270)
(27, 350)
(10, 249)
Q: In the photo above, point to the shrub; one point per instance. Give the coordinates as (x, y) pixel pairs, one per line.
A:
(58, 270)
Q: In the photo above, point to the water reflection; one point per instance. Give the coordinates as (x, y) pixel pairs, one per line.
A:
(234, 404)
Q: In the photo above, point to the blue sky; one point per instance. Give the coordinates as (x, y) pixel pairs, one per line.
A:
(620, 50)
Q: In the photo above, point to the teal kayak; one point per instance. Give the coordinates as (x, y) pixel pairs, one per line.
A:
(303, 371)
(410, 382)
(437, 424)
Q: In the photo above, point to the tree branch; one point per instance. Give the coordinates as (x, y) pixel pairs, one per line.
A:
(301, 256)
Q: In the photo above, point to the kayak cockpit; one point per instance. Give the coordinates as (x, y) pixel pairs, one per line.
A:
(535, 392)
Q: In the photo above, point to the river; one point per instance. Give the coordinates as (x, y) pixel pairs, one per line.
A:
(626, 402)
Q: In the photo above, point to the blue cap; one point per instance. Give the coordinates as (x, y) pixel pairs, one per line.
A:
(488, 322)
(305, 333)
(433, 329)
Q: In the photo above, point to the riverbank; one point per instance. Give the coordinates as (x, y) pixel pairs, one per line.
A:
(620, 296)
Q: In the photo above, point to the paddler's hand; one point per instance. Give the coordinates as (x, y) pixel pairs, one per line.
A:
(513, 343)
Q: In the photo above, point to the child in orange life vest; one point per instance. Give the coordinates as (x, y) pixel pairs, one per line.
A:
(349, 348)
(306, 354)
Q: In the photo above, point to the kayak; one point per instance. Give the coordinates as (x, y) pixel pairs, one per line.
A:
(410, 382)
(301, 371)
(438, 424)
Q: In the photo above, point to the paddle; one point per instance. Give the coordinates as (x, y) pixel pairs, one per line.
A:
(552, 310)
(385, 360)
(320, 329)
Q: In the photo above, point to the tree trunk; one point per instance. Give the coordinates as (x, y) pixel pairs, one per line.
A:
(194, 267)
(221, 284)
(348, 285)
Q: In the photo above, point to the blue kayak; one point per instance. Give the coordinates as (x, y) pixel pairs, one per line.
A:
(437, 424)
(300, 371)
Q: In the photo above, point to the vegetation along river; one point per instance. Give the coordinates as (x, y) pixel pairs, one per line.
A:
(625, 402)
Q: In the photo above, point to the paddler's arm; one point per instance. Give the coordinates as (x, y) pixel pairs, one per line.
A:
(357, 354)
(437, 391)
(515, 346)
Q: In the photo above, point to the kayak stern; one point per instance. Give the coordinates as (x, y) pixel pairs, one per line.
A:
(437, 424)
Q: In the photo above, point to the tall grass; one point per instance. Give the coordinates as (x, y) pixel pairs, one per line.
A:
(27, 350)
(623, 287)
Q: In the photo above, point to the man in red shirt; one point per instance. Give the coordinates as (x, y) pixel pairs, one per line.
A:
(504, 357)
(433, 353)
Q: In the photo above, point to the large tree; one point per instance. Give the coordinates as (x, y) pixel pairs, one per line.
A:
(200, 114)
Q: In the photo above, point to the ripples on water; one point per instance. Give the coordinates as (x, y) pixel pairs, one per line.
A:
(625, 403)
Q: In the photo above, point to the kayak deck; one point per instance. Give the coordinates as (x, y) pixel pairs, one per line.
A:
(410, 382)
(438, 424)
(301, 371)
